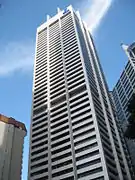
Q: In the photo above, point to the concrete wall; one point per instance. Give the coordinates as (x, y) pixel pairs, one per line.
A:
(17, 153)
(11, 149)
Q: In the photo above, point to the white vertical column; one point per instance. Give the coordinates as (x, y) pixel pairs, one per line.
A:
(94, 113)
(113, 120)
(48, 109)
(91, 101)
(68, 107)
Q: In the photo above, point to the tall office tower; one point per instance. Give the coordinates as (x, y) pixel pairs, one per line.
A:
(74, 133)
(123, 91)
(12, 135)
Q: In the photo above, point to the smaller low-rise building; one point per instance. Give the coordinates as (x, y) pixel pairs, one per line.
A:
(12, 135)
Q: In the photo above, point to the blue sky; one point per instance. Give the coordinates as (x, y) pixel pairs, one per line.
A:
(111, 24)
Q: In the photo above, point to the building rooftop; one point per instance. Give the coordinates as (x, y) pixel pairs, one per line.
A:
(10, 120)
(52, 19)
(131, 47)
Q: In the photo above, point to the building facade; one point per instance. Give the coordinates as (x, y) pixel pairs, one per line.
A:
(12, 135)
(74, 131)
(123, 92)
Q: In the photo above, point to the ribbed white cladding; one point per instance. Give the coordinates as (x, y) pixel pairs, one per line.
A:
(70, 122)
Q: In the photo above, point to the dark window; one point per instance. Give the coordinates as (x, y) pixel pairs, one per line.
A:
(60, 143)
(39, 172)
(39, 151)
(42, 178)
(40, 138)
(58, 100)
(61, 149)
(61, 157)
(77, 91)
(60, 136)
(39, 145)
(86, 147)
(39, 132)
(39, 110)
(85, 140)
(62, 164)
(94, 162)
(87, 173)
(87, 155)
(39, 158)
(62, 172)
(39, 165)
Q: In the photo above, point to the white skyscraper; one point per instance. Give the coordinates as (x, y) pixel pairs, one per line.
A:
(12, 135)
(74, 132)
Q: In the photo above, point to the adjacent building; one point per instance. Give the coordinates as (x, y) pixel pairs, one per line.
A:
(12, 135)
(74, 130)
(123, 92)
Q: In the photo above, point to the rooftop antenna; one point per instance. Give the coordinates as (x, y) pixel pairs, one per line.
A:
(128, 53)
(78, 13)
(124, 47)
(58, 10)
(47, 17)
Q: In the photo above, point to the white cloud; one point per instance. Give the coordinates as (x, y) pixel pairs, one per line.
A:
(16, 56)
(93, 11)
(19, 56)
